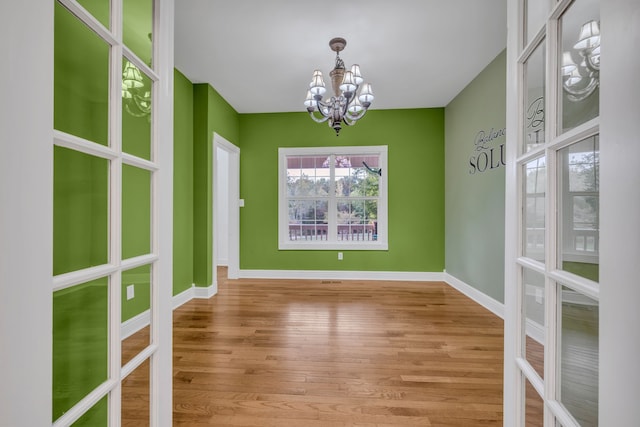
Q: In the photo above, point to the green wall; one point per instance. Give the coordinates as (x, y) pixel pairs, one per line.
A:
(416, 189)
(211, 113)
(182, 183)
(474, 190)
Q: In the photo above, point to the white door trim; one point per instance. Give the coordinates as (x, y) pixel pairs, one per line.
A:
(233, 203)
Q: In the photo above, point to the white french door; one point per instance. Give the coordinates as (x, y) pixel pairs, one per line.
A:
(112, 197)
(552, 274)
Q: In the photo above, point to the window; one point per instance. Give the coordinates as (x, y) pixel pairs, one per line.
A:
(333, 198)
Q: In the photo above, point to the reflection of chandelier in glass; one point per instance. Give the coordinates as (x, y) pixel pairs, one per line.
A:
(581, 79)
(346, 106)
(136, 99)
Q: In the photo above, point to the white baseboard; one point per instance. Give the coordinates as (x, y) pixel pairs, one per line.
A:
(133, 325)
(183, 297)
(484, 300)
(343, 275)
(205, 293)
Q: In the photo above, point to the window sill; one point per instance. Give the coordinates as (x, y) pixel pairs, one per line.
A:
(333, 246)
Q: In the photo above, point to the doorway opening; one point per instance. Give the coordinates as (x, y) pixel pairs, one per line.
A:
(226, 204)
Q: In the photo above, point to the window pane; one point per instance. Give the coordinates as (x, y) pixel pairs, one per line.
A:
(138, 26)
(356, 220)
(334, 197)
(534, 99)
(136, 397)
(80, 210)
(81, 79)
(99, 9)
(308, 219)
(136, 300)
(97, 416)
(579, 208)
(578, 345)
(308, 176)
(537, 12)
(533, 319)
(136, 211)
(579, 64)
(136, 110)
(534, 407)
(534, 177)
(80, 339)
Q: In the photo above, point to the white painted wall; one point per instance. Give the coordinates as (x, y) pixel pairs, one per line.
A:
(26, 212)
(619, 214)
(222, 208)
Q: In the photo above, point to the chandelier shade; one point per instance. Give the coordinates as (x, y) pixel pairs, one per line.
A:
(346, 106)
(580, 66)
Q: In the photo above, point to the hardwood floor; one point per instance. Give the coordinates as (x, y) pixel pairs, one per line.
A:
(313, 353)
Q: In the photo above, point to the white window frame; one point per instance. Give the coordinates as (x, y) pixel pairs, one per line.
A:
(284, 243)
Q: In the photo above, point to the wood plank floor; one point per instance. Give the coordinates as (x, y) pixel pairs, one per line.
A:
(313, 353)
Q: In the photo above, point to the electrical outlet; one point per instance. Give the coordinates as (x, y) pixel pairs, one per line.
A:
(130, 292)
(339, 256)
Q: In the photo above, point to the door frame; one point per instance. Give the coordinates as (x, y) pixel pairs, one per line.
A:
(233, 203)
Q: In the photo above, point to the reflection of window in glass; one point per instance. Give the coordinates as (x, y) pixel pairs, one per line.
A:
(578, 344)
(332, 197)
(535, 178)
(534, 99)
(579, 205)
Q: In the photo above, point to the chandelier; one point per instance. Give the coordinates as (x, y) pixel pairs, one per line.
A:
(136, 98)
(580, 79)
(347, 106)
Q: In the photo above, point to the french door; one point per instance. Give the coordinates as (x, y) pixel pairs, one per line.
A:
(111, 209)
(553, 217)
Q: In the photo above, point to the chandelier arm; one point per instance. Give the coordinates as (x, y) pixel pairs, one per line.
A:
(133, 113)
(358, 116)
(140, 101)
(317, 119)
(580, 94)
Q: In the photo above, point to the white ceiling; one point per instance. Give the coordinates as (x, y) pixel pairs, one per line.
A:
(260, 54)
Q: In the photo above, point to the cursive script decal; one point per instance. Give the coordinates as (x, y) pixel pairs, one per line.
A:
(486, 155)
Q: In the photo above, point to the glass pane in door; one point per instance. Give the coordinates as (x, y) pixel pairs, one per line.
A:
(534, 407)
(136, 211)
(80, 342)
(137, 19)
(533, 315)
(99, 9)
(80, 210)
(579, 64)
(136, 395)
(534, 120)
(534, 180)
(536, 16)
(136, 305)
(136, 111)
(81, 79)
(579, 212)
(578, 343)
